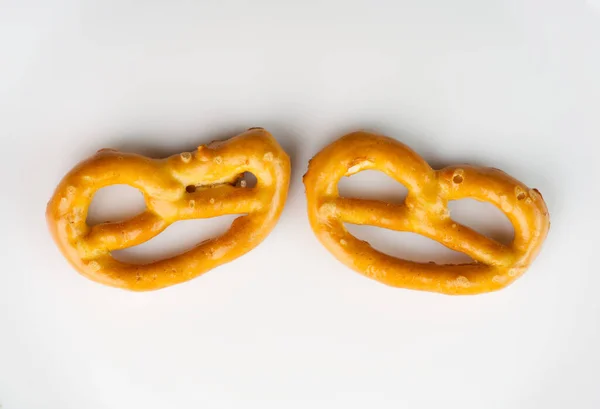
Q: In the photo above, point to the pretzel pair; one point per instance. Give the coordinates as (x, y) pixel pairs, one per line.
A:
(201, 184)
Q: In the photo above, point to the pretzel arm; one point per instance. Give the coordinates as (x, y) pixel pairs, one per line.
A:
(219, 201)
(369, 212)
(397, 217)
(461, 238)
(128, 233)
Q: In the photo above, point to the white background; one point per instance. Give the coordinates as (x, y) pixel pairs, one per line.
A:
(509, 84)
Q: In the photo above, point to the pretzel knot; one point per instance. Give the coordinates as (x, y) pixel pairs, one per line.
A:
(191, 185)
(425, 211)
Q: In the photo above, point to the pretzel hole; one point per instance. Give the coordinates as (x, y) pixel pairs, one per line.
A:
(374, 185)
(484, 218)
(248, 180)
(245, 180)
(115, 203)
(178, 238)
(458, 179)
(407, 245)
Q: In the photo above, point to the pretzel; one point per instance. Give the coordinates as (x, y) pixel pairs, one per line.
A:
(190, 185)
(425, 211)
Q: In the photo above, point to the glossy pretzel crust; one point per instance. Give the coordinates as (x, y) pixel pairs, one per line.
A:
(209, 174)
(425, 212)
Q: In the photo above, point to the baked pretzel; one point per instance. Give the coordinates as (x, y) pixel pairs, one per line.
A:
(425, 211)
(190, 185)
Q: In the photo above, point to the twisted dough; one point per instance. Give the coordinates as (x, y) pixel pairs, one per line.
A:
(425, 212)
(208, 174)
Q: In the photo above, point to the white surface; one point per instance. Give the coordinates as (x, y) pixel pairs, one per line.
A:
(509, 84)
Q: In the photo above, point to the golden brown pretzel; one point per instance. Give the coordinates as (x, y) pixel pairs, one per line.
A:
(425, 212)
(208, 173)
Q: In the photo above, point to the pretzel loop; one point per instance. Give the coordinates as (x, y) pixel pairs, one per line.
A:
(185, 186)
(425, 212)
